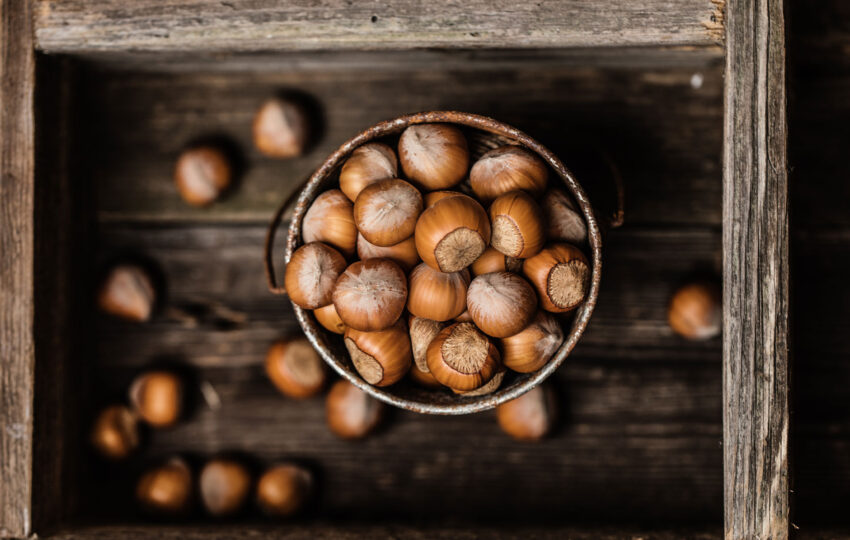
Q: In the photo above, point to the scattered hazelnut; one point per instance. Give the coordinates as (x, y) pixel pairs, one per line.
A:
(505, 169)
(487, 388)
(370, 295)
(366, 165)
(534, 346)
(435, 295)
(493, 261)
(202, 174)
(295, 368)
(386, 211)
(127, 292)
(351, 413)
(561, 275)
(434, 156)
(311, 275)
(517, 225)
(157, 397)
(383, 357)
(284, 489)
(330, 219)
(422, 333)
(329, 318)
(115, 433)
(225, 486)
(423, 379)
(166, 489)
(404, 253)
(564, 222)
(452, 234)
(501, 303)
(281, 128)
(695, 311)
(462, 358)
(433, 196)
(529, 417)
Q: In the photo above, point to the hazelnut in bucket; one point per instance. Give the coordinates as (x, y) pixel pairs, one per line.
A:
(427, 262)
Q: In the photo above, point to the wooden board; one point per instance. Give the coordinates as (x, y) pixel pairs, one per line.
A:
(239, 26)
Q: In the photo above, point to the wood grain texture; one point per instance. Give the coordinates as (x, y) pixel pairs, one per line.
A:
(265, 25)
(755, 245)
(17, 73)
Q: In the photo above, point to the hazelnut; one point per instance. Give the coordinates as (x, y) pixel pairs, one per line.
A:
(464, 317)
(494, 261)
(487, 388)
(561, 275)
(422, 333)
(295, 368)
(329, 318)
(311, 275)
(330, 219)
(284, 489)
(386, 212)
(225, 485)
(281, 128)
(435, 295)
(157, 397)
(128, 293)
(534, 346)
(517, 225)
(366, 165)
(166, 489)
(505, 169)
(501, 303)
(529, 417)
(564, 222)
(423, 379)
(462, 358)
(434, 156)
(695, 311)
(370, 295)
(115, 433)
(202, 174)
(433, 196)
(383, 357)
(452, 234)
(404, 253)
(351, 413)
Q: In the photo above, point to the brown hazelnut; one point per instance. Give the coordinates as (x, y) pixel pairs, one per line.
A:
(202, 174)
(423, 379)
(695, 311)
(564, 222)
(370, 295)
(561, 275)
(433, 196)
(329, 318)
(281, 128)
(284, 489)
(505, 169)
(464, 317)
(386, 211)
(404, 253)
(312, 273)
(166, 489)
(351, 413)
(128, 293)
(436, 295)
(452, 234)
(462, 358)
(534, 346)
(366, 165)
(330, 219)
(225, 486)
(493, 261)
(422, 333)
(383, 357)
(295, 368)
(487, 388)
(529, 417)
(501, 303)
(115, 433)
(157, 397)
(517, 225)
(434, 156)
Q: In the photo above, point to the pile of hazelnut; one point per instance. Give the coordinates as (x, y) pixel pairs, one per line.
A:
(479, 274)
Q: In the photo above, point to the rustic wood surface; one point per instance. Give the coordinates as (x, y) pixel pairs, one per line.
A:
(17, 165)
(755, 246)
(264, 25)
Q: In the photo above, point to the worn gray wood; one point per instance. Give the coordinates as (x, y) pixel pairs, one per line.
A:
(17, 379)
(755, 245)
(75, 26)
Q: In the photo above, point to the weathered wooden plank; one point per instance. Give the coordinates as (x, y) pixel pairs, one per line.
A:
(755, 244)
(264, 25)
(17, 76)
